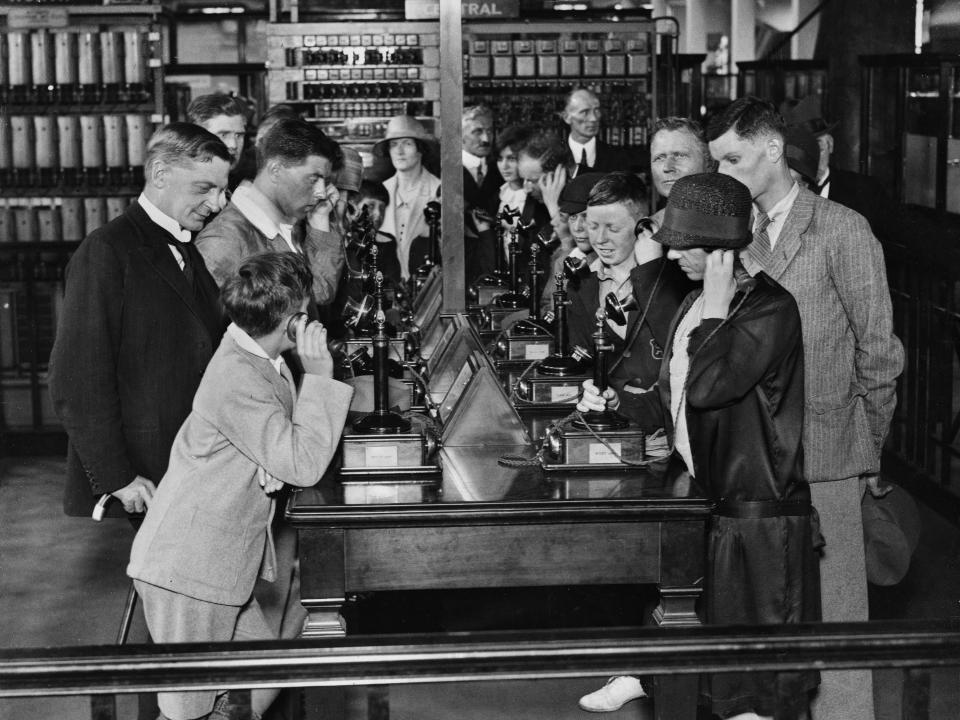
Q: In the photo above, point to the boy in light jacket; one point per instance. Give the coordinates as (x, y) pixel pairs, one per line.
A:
(206, 537)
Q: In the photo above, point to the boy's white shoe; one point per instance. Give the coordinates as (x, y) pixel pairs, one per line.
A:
(614, 695)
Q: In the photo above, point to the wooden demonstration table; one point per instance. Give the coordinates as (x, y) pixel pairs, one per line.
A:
(492, 526)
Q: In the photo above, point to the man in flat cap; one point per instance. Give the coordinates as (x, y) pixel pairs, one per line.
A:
(730, 396)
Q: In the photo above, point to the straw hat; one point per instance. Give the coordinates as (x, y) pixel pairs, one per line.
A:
(404, 126)
(707, 210)
(802, 151)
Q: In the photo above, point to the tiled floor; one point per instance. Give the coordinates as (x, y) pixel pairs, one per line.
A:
(62, 583)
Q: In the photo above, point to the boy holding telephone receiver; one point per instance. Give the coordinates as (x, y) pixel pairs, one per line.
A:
(207, 535)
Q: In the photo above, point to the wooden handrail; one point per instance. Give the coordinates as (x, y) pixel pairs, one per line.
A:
(404, 659)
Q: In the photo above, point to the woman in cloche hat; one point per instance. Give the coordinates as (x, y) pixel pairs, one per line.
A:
(730, 395)
(410, 188)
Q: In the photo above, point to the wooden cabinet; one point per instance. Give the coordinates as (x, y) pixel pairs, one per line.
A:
(910, 127)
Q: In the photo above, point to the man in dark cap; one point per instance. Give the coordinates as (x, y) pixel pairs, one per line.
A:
(575, 242)
(802, 151)
(730, 396)
(861, 193)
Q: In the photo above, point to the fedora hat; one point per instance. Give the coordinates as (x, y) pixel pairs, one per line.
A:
(802, 151)
(404, 126)
(806, 114)
(706, 210)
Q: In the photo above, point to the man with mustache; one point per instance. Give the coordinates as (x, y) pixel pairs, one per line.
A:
(481, 191)
(141, 319)
(286, 208)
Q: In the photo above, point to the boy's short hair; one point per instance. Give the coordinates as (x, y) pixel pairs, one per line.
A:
(620, 187)
(266, 288)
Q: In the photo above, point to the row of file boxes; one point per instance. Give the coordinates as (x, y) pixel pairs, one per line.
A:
(71, 66)
(56, 219)
(46, 150)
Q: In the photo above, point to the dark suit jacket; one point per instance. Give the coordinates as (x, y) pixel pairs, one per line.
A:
(480, 246)
(486, 195)
(866, 196)
(610, 158)
(131, 348)
(638, 364)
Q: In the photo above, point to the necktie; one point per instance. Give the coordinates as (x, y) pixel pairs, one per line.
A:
(480, 174)
(761, 239)
(187, 257)
(583, 166)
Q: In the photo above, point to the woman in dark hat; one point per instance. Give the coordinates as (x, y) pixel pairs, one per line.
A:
(730, 396)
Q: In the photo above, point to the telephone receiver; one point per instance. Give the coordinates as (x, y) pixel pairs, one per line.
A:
(646, 225)
(574, 270)
(293, 323)
(617, 309)
(432, 211)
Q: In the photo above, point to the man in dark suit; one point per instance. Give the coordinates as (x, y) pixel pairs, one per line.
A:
(481, 191)
(141, 320)
(588, 153)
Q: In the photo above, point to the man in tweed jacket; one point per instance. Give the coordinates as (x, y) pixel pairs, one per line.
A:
(827, 257)
(286, 208)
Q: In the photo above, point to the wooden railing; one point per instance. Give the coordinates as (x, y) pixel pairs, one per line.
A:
(100, 671)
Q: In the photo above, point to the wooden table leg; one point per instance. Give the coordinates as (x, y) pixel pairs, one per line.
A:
(682, 569)
(323, 581)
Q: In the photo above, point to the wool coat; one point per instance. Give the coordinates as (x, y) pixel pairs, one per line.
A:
(828, 259)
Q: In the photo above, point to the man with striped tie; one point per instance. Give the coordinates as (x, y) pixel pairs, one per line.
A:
(827, 257)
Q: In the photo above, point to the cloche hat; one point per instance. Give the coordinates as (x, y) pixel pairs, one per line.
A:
(707, 210)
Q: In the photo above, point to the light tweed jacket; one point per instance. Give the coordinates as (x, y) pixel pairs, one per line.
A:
(207, 532)
(231, 237)
(828, 258)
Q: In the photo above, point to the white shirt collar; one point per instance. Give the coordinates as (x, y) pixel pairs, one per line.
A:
(471, 161)
(163, 220)
(247, 343)
(577, 149)
(513, 197)
(262, 213)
